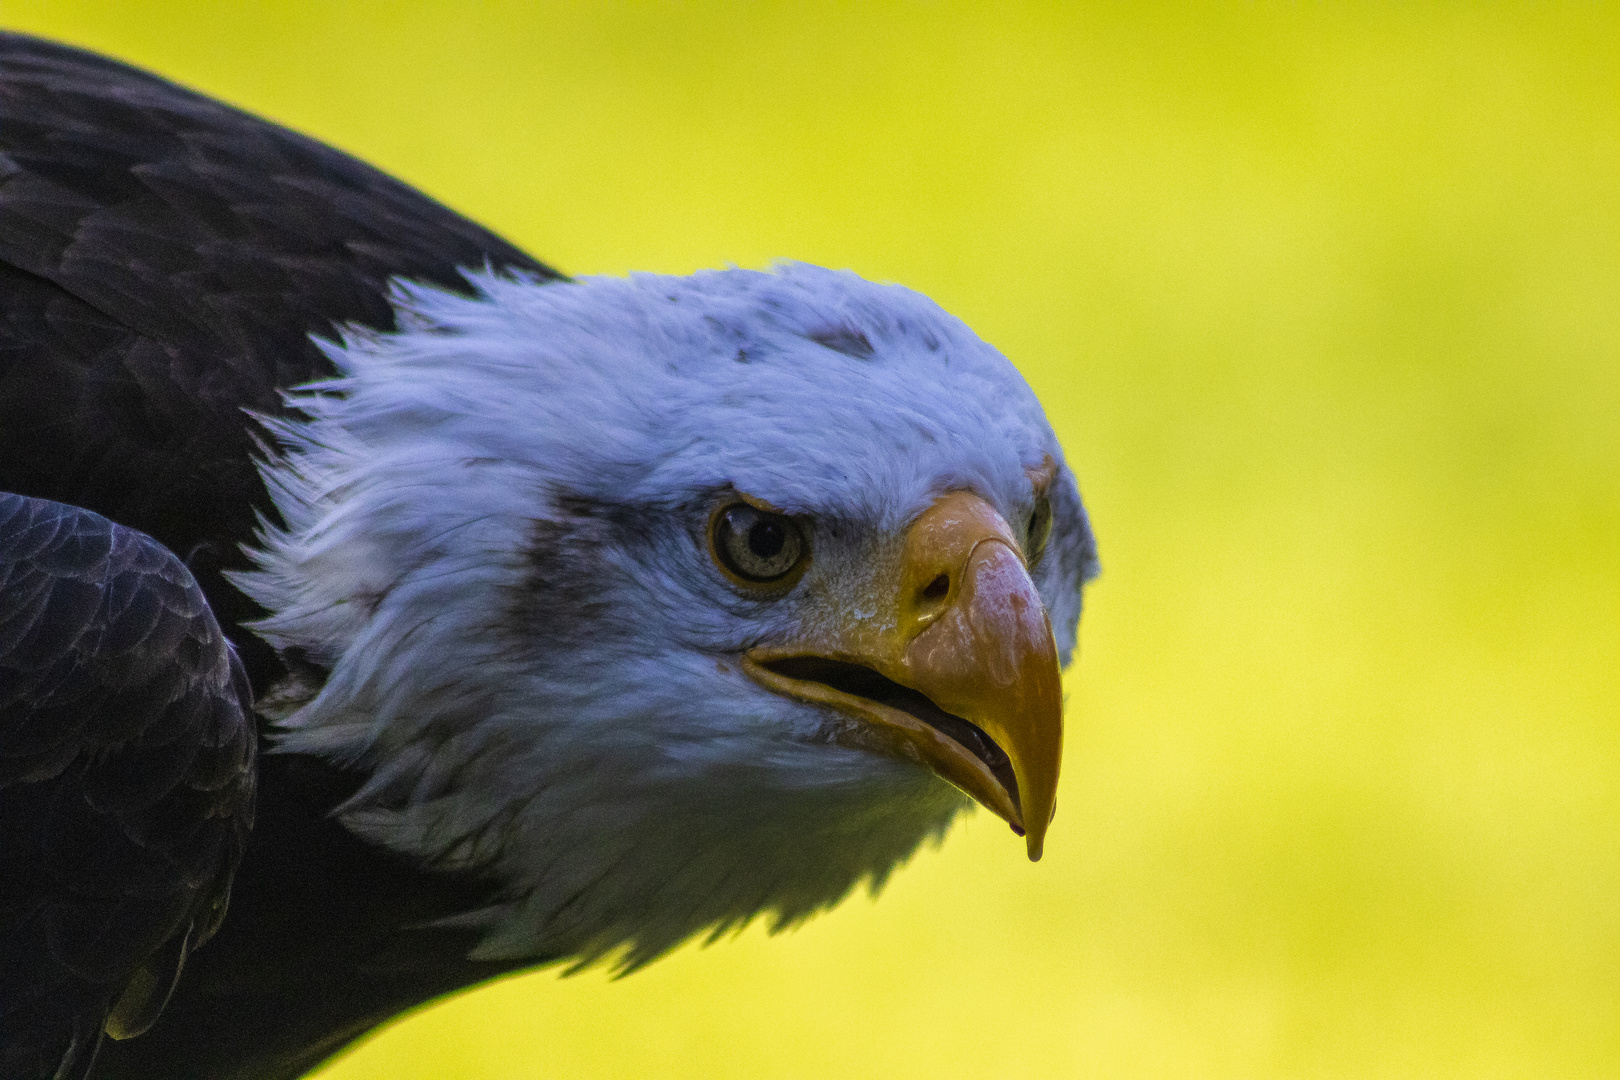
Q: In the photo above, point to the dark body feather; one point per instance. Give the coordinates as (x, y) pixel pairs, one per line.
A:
(164, 260)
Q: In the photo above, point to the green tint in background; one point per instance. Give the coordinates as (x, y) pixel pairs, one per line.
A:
(1325, 305)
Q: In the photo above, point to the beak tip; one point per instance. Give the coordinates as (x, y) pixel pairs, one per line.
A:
(1033, 844)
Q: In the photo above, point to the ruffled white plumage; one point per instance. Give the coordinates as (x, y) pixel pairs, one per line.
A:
(489, 540)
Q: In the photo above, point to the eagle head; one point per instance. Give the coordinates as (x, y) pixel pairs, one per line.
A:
(667, 602)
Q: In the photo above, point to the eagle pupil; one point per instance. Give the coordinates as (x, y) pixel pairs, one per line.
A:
(766, 538)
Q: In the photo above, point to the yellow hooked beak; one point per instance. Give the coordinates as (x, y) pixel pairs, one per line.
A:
(959, 672)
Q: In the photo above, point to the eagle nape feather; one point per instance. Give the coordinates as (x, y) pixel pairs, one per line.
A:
(382, 611)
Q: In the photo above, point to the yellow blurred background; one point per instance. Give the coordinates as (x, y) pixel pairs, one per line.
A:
(1324, 301)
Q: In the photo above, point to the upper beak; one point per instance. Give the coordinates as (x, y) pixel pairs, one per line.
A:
(963, 673)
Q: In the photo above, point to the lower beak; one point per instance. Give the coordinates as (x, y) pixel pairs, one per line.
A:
(963, 678)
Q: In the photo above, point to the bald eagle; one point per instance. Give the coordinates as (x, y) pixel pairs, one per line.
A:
(443, 615)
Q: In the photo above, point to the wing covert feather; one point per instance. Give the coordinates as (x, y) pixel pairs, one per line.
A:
(127, 755)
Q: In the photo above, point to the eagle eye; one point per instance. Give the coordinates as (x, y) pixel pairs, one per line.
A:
(757, 547)
(1040, 527)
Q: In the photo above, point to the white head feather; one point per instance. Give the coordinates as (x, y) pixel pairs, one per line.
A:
(494, 540)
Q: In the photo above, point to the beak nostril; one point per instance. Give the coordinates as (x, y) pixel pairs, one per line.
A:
(936, 589)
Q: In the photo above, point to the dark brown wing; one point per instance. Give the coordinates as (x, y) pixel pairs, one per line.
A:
(164, 261)
(126, 781)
